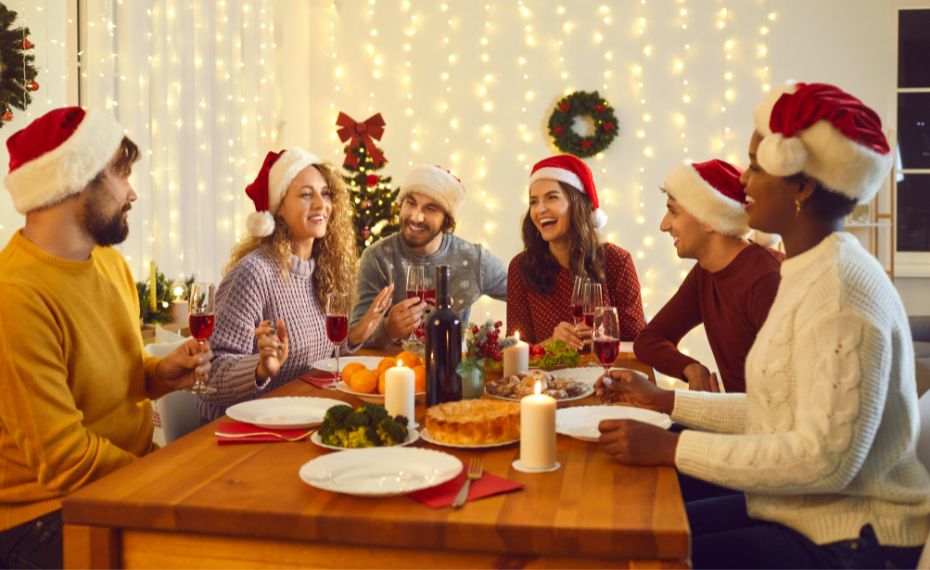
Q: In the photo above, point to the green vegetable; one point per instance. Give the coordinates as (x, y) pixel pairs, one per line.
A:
(558, 355)
(369, 425)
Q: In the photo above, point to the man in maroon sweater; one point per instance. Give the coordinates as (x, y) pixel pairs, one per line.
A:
(729, 289)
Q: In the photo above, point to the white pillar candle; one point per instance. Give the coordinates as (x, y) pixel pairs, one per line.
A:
(399, 391)
(537, 430)
(516, 357)
(179, 310)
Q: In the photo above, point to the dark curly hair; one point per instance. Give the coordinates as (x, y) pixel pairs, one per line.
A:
(538, 267)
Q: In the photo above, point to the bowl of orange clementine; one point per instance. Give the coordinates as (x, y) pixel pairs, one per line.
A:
(368, 384)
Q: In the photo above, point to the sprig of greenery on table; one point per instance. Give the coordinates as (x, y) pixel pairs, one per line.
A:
(558, 355)
(484, 347)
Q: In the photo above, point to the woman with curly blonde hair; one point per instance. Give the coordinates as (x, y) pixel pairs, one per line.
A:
(270, 306)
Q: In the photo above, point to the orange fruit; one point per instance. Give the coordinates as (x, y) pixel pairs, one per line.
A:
(364, 381)
(419, 378)
(409, 359)
(386, 362)
(381, 381)
(349, 369)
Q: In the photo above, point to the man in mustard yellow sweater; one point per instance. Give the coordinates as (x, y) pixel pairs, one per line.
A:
(74, 383)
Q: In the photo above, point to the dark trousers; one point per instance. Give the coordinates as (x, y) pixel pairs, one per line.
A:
(33, 544)
(723, 536)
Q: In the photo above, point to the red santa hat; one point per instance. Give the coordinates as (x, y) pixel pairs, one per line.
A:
(437, 183)
(573, 171)
(270, 186)
(827, 134)
(58, 154)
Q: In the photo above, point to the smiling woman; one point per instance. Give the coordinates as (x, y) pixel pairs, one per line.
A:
(561, 242)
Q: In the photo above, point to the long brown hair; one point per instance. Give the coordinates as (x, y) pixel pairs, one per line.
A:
(335, 253)
(538, 266)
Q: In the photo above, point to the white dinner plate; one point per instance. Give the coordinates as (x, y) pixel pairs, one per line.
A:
(380, 471)
(412, 436)
(283, 413)
(587, 392)
(373, 397)
(581, 422)
(329, 364)
(588, 374)
(424, 433)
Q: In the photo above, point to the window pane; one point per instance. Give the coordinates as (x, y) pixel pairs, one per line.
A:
(914, 129)
(914, 213)
(913, 48)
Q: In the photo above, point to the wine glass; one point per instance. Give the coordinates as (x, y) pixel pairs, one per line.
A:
(337, 326)
(606, 335)
(578, 299)
(201, 318)
(592, 296)
(417, 285)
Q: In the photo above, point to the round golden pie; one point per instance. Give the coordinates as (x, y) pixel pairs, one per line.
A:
(474, 422)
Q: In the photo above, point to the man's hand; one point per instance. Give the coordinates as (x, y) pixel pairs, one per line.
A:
(404, 317)
(699, 378)
(637, 443)
(625, 387)
(272, 347)
(179, 368)
(369, 321)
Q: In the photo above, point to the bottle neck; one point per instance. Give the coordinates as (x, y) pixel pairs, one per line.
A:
(443, 301)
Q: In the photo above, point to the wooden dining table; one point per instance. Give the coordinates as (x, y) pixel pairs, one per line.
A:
(195, 504)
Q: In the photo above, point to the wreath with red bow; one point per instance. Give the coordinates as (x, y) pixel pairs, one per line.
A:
(582, 104)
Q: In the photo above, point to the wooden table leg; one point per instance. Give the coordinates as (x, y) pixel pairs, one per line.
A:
(91, 547)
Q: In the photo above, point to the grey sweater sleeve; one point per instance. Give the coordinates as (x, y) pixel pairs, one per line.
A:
(371, 279)
(493, 275)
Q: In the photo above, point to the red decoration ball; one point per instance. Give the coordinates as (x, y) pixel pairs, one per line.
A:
(366, 233)
(564, 107)
(558, 131)
(599, 108)
(34, 86)
(27, 44)
(7, 117)
(372, 180)
(586, 143)
(607, 127)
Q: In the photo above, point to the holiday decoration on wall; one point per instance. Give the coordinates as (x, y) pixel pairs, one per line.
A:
(17, 72)
(583, 104)
(371, 193)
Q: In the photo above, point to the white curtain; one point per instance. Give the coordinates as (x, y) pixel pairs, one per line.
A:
(193, 83)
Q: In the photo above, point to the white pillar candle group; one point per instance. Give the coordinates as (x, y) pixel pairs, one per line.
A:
(399, 391)
(516, 357)
(179, 310)
(537, 430)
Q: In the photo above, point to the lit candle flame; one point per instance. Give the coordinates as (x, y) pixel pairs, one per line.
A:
(538, 388)
(516, 335)
(400, 362)
(178, 291)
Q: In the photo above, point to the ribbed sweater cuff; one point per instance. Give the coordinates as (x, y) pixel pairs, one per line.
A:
(11, 516)
(722, 413)
(689, 407)
(240, 380)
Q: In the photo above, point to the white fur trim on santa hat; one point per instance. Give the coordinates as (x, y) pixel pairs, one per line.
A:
(763, 239)
(762, 114)
(782, 156)
(68, 168)
(260, 224)
(724, 215)
(599, 218)
(558, 174)
(283, 172)
(436, 183)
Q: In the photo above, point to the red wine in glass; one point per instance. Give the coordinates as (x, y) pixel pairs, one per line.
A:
(577, 313)
(607, 350)
(418, 294)
(588, 318)
(429, 296)
(201, 325)
(337, 328)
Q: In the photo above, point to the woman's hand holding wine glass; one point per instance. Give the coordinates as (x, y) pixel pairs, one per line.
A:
(272, 347)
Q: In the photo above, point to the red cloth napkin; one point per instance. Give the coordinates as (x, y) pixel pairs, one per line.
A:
(442, 496)
(242, 432)
(318, 378)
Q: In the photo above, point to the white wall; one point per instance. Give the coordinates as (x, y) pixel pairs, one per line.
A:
(48, 23)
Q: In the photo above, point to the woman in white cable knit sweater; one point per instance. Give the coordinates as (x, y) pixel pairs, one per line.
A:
(821, 446)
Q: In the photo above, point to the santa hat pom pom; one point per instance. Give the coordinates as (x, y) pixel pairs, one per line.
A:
(764, 239)
(782, 156)
(599, 218)
(260, 224)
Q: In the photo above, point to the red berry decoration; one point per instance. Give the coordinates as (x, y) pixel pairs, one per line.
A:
(599, 109)
(7, 117)
(27, 44)
(558, 131)
(564, 107)
(586, 144)
(34, 86)
(582, 104)
(608, 127)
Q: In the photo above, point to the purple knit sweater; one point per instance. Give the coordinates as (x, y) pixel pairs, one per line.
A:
(252, 292)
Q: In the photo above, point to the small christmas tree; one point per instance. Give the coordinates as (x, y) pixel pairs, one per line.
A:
(372, 194)
(17, 72)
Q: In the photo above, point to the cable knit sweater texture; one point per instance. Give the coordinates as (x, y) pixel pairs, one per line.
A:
(823, 440)
(252, 292)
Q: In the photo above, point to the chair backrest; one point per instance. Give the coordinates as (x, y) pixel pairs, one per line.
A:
(923, 453)
(178, 410)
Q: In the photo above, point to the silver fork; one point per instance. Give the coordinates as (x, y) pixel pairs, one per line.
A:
(475, 470)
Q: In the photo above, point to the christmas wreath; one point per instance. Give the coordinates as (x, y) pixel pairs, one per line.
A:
(582, 104)
(17, 72)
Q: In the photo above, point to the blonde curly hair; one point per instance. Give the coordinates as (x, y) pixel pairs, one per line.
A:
(335, 254)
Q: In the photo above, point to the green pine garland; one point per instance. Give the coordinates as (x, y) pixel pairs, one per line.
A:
(163, 297)
(17, 72)
(581, 104)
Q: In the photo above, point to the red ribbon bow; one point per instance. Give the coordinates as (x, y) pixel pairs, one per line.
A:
(361, 133)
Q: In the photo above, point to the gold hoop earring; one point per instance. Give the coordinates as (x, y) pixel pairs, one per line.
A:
(797, 207)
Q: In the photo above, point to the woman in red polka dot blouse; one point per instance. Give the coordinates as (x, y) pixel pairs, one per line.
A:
(560, 241)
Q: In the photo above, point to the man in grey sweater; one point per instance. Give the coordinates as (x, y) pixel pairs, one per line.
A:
(429, 199)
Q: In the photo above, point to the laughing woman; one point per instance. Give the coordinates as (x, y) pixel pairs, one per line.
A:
(270, 306)
(821, 445)
(561, 242)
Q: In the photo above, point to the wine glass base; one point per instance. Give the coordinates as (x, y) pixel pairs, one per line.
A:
(201, 389)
